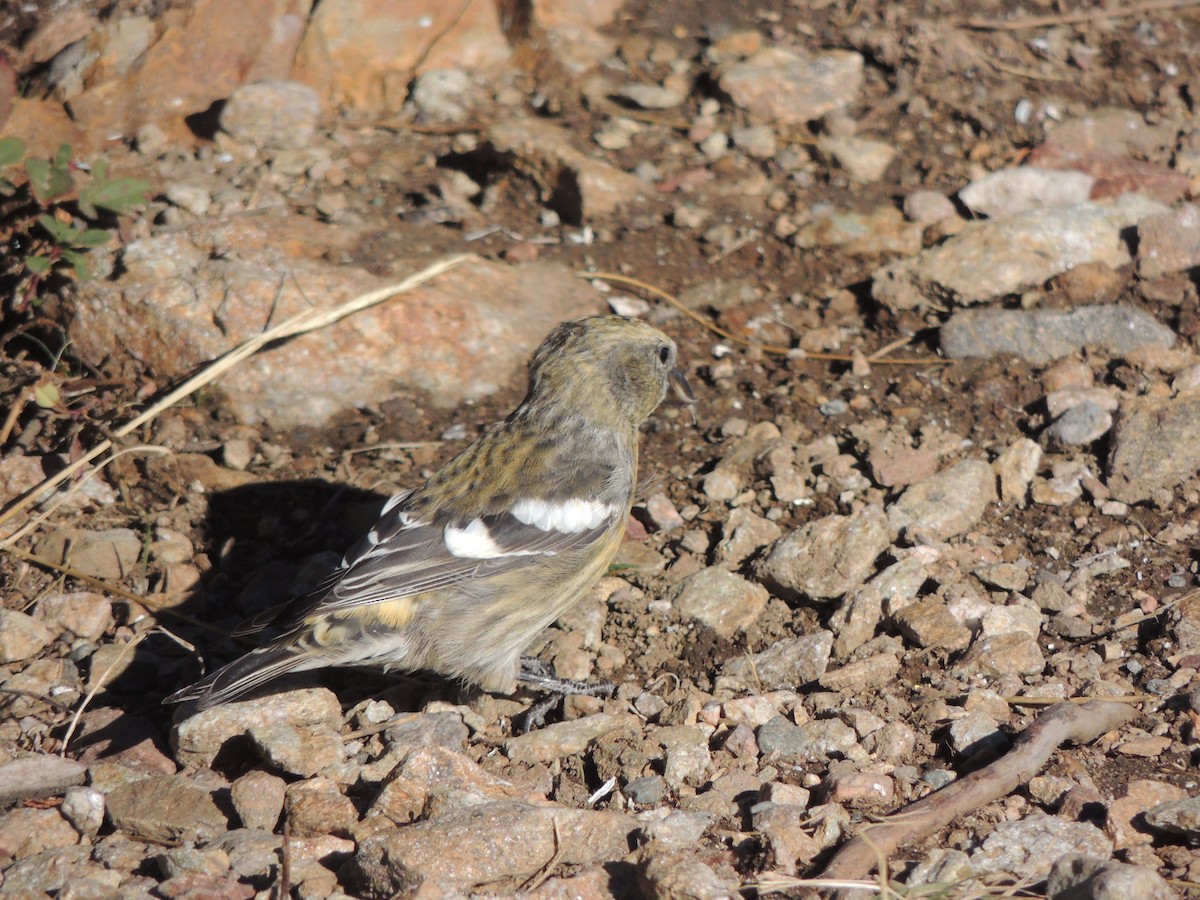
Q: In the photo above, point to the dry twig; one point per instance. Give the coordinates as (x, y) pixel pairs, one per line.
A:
(1057, 725)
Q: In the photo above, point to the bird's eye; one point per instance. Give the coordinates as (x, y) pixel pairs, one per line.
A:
(664, 354)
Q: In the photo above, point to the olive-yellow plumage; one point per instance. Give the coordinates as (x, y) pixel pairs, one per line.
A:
(460, 574)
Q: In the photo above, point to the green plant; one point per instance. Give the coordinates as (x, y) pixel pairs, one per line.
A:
(66, 201)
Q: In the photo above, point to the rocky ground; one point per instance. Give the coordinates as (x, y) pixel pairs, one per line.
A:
(940, 265)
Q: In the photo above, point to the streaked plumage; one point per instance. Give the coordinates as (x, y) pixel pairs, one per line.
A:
(460, 574)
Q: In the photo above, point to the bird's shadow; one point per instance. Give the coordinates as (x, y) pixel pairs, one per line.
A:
(266, 544)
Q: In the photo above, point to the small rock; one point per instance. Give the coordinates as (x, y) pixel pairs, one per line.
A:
(882, 230)
(191, 197)
(21, 636)
(565, 738)
(1080, 425)
(681, 876)
(976, 733)
(662, 513)
(165, 809)
(928, 623)
(409, 788)
(1169, 242)
(868, 674)
(1007, 192)
(790, 87)
(1156, 445)
(945, 505)
(991, 259)
(1032, 844)
(756, 141)
(1004, 654)
(1176, 817)
(650, 790)
(721, 484)
(672, 92)
(83, 807)
(109, 554)
(1000, 620)
(787, 663)
(1076, 876)
(725, 602)
(928, 207)
(258, 799)
(1125, 823)
(461, 852)
(857, 789)
(826, 558)
(865, 161)
(1042, 335)
(316, 806)
(1016, 466)
(237, 453)
(813, 741)
(84, 614)
(278, 114)
(781, 825)
(33, 777)
(743, 533)
(297, 750)
(1060, 401)
(444, 95)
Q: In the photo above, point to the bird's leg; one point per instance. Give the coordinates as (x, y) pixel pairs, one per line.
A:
(538, 675)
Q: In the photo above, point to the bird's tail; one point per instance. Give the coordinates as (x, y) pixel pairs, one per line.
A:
(244, 675)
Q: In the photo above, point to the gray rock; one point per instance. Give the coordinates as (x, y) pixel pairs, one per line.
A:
(444, 95)
(1176, 817)
(165, 809)
(1016, 465)
(882, 230)
(437, 729)
(1080, 425)
(677, 829)
(1029, 846)
(1013, 653)
(928, 207)
(976, 733)
(929, 623)
(109, 554)
(32, 777)
(1076, 876)
(864, 160)
(826, 558)
(815, 741)
(649, 790)
(1156, 446)
(279, 114)
(1007, 192)
(84, 614)
(302, 751)
(1169, 242)
(681, 876)
(1043, 335)
(945, 505)
(258, 799)
(725, 602)
(565, 738)
(461, 852)
(744, 533)
(787, 87)
(787, 663)
(992, 259)
(83, 807)
(199, 738)
(21, 636)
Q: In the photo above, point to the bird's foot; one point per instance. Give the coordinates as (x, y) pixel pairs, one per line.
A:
(539, 676)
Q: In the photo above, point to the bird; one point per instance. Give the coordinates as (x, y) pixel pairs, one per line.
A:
(459, 575)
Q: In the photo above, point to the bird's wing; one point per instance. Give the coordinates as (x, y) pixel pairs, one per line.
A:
(403, 555)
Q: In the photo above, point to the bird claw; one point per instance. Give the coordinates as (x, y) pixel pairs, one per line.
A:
(537, 675)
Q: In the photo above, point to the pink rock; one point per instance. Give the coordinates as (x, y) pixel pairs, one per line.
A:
(187, 298)
(362, 54)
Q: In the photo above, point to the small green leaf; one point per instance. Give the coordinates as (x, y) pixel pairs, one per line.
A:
(47, 396)
(49, 182)
(62, 159)
(62, 232)
(116, 196)
(79, 262)
(11, 150)
(38, 265)
(92, 237)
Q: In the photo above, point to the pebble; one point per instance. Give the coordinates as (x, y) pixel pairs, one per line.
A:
(165, 809)
(276, 114)
(671, 93)
(976, 733)
(257, 798)
(721, 484)
(21, 636)
(1155, 446)
(862, 675)
(444, 95)
(1012, 653)
(1176, 817)
(827, 557)
(1081, 875)
(789, 87)
(1031, 845)
(191, 197)
(1060, 401)
(874, 233)
(681, 875)
(786, 663)
(84, 614)
(1042, 335)
(565, 738)
(297, 750)
(649, 790)
(945, 505)
(725, 602)
(1170, 242)
(857, 789)
(928, 623)
(1006, 192)
(1079, 425)
(756, 141)
(36, 776)
(781, 825)
(929, 207)
(1016, 465)
(237, 454)
(991, 259)
(109, 554)
(1124, 819)
(83, 807)
(864, 160)
(743, 534)
(315, 806)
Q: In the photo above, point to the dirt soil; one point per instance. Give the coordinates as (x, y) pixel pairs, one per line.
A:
(944, 93)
